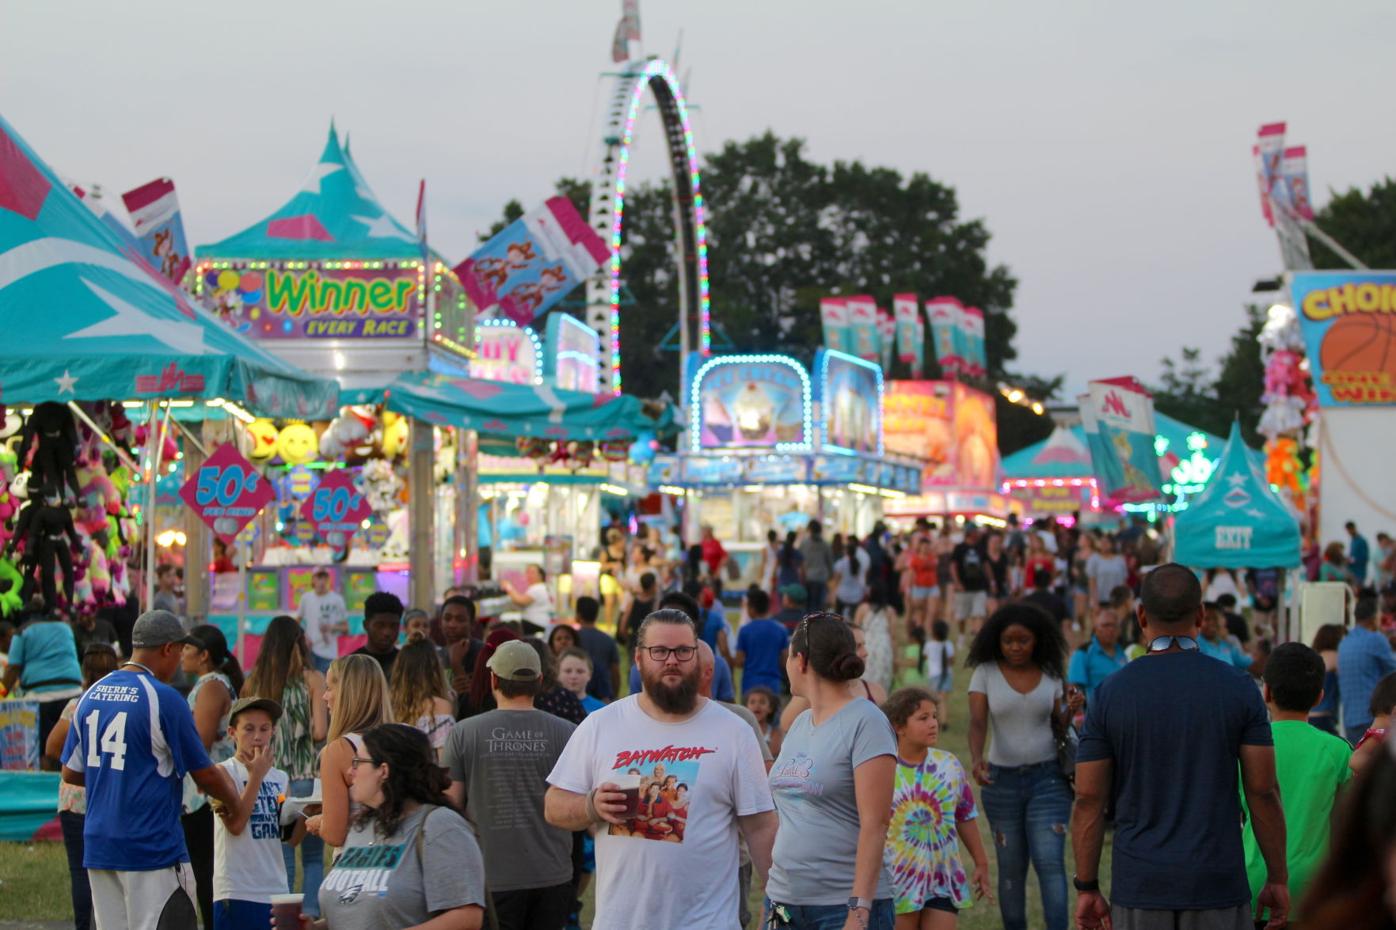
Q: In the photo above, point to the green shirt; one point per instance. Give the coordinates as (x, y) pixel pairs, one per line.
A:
(1311, 765)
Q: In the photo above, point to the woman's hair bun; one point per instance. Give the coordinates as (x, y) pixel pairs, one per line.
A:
(846, 667)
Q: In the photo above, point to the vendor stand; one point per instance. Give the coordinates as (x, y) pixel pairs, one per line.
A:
(333, 282)
(769, 447)
(951, 429)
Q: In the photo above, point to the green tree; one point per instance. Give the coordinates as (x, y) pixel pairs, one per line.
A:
(1362, 223)
(1192, 391)
(785, 231)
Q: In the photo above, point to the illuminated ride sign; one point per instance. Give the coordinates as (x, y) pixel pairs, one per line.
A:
(507, 352)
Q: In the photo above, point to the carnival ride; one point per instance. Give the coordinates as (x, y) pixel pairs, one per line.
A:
(603, 290)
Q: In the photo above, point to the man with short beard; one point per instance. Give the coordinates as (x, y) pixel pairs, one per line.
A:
(650, 877)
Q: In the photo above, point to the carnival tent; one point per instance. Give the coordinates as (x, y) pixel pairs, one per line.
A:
(501, 409)
(87, 319)
(1065, 454)
(334, 216)
(1237, 521)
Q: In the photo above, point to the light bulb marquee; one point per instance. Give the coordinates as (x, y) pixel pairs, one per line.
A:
(608, 208)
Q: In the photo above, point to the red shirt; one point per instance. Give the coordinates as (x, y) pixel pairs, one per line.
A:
(713, 554)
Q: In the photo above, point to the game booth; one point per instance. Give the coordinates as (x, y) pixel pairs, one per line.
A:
(952, 430)
(109, 346)
(771, 445)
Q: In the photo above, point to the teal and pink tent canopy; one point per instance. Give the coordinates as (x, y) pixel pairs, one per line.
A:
(87, 319)
(499, 409)
(334, 216)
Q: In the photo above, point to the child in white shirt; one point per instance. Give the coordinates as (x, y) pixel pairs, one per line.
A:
(248, 866)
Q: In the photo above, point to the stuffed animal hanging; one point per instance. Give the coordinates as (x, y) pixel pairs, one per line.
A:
(54, 438)
(41, 527)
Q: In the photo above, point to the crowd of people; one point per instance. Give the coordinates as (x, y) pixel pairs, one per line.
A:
(473, 774)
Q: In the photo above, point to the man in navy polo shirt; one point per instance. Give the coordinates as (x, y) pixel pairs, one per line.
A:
(131, 743)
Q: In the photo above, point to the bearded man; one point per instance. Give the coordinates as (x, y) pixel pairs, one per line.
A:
(658, 865)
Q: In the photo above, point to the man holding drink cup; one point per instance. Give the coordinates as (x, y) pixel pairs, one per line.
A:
(674, 777)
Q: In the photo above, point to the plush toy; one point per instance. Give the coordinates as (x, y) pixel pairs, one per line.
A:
(13, 582)
(347, 431)
(380, 485)
(395, 434)
(42, 525)
(49, 445)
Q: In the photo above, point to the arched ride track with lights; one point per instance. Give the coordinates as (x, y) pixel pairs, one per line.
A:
(608, 210)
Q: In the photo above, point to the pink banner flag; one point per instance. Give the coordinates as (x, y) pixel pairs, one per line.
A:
(154, 210)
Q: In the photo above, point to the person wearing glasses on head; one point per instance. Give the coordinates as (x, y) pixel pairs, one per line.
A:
(681, 872)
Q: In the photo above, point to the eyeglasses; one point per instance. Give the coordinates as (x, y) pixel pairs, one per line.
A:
(662, 653)
(354, 763)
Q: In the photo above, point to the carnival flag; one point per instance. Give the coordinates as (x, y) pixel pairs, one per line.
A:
(833, 313)
(533, 262)
(887, 338)
(972, 323)
(154, 210)
(1294, 169)
(918, 362)
(1119, 418)
(943, 313)
(862, 324)
(1269, 151)
(630, 18)
(1260, 184)
(904, 309)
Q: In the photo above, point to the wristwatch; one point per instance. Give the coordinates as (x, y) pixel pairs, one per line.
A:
(855, 904)
(1092, 885)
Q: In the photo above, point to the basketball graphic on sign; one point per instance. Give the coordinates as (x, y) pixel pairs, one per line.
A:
(1360, 344)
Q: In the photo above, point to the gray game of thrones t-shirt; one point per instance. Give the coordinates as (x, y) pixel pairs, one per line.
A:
(396, 881)
(503, 758)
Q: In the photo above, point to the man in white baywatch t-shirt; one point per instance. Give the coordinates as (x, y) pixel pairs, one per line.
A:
(672, 861)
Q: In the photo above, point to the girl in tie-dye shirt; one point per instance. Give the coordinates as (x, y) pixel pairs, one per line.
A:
(932, 813)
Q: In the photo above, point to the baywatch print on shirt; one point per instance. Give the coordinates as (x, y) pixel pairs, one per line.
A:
(666, 779)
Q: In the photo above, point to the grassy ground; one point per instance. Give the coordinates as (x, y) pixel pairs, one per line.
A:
(34, 877)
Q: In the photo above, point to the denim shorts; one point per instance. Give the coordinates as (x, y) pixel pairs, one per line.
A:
(921, 594)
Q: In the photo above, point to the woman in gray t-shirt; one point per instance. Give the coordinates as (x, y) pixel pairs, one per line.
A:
(1017, 686)
(410, 856)
(833, 789)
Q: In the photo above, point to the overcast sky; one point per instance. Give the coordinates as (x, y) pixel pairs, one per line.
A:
(1106, 145)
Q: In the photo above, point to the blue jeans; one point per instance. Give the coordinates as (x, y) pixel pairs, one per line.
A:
(818, 592)
(834, 916)
(1029, 808)
(322, 664)
(80, 890)
(312, 856)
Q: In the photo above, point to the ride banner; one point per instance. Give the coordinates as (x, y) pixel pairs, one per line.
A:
(1348, 319)
(943, 313)
(918, 362)
(533, 262)
(887, 338)
(904, 312)
(1118, 415)
(227, 492)
(154, 210)
(1294, 172)
(972, 330)
(862, 325)
(833, 314)
(1269, 152)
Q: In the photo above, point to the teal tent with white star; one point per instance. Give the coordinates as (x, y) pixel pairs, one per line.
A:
(1237, 521)
(334, 216)
(86, 319)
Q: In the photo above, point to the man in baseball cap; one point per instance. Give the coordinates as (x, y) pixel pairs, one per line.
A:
(530, 874)
(136, 745)
(156, 628)
(515, 660)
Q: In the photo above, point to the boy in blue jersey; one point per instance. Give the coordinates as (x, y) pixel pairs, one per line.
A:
(248, 867)
(131, 743)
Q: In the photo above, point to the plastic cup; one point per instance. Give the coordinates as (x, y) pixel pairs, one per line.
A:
(629, 785)
(286, 910)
